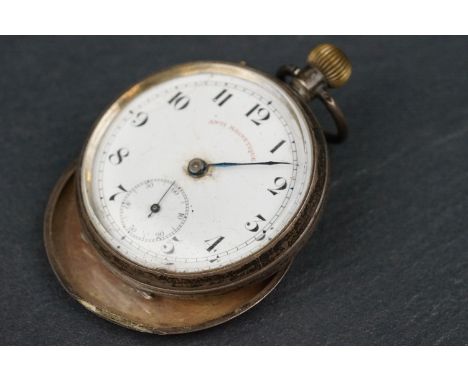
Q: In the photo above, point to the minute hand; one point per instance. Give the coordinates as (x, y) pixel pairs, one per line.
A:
(229, 164)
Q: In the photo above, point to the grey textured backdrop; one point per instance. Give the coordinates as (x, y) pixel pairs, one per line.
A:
(388, 263)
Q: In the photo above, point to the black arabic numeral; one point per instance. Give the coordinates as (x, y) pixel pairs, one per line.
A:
(117, 157)
(280, 184)
(139, 119)
(253, 225)
(277, 146)
(213, 242)
(122, 190)
(222, 97)
(179, 101)
(260, 114)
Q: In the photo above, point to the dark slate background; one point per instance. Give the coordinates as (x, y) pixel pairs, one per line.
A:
(388, 264)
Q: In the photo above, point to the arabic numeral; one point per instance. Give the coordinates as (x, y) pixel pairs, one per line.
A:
(179, 101)
(280, 184)
(222, 97)
(117, 157)
(139, 119)
(277, 146)
(212, 243)
(254, 225)
(122, 190)
(259, 114)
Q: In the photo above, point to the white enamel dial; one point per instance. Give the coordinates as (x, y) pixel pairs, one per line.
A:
(142, 199)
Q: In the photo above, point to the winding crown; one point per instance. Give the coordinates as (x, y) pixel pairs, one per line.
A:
(332, 62)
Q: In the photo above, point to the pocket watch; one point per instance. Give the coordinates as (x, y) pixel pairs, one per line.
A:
(194, 191)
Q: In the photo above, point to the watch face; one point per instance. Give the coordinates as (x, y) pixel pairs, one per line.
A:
(198, 171)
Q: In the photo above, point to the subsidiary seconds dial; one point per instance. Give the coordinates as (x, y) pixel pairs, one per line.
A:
(154, 210)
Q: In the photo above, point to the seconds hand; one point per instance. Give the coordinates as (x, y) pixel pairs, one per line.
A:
(156, 207)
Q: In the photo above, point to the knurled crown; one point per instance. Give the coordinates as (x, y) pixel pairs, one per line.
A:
(332, 62)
